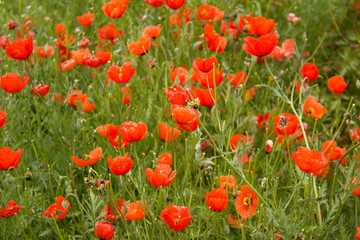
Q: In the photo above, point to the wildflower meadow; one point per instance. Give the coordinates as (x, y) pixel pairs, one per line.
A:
(179, 119)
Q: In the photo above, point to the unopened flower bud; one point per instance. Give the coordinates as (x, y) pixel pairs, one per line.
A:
(269, 146)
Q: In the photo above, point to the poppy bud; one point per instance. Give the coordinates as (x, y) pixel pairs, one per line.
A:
(28, 175)
(269, 146)
(358, 84)
(12, 24)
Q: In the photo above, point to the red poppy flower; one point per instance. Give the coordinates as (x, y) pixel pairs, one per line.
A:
(298, 86)
(58, 97)
(161, 176)
(104, 230)
(153, 31)
(133, 132)
(121, 74)
(286, 50)
(314, 109)
(186, 118)
(206, 97)
(114, 9)
(208, 12)
(92, 61)
(217, 199)
(245, 158)
(134, 211)
(165, 158)
(126, 94)
(12, 24)
(337, 84)
(179, 73)
(261, 46)
(141, 46)
(310, 72)
(177, 20)
(176, 95)
(355, 134)
(20, 48)
(83, 43)
(215, 42)
(86, 19)
(244, 25)
(77, 99)
(332, 152)
(357, 236)
(246, 202)
(10, 209)
(90, 159)
(40, 90)
(229, 28)
(237, 80)
(3, 41)
(286, 123)
(60, 29)
(2, 118)
(227, 182)
(155, 3)
(309, 160)
(120, 165)
(177, 218)
(112, 132)
(64, 41)
(175, 4)
(100, 182)
(167, 134)
(107, 32)
(45, 52)
(205, 65)
(80, 55)
(105, 57)
(109, 210)
(235, 223)
(12, 83)
(263, 120)
(260, 25)
(206, 80)
(58, 210)
(242, 138)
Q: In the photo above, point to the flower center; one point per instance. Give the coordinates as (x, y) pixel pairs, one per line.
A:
(283, 122)
(87, 157)
(247, 201)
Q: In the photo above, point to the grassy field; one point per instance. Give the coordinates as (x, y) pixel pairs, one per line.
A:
(239, 164)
